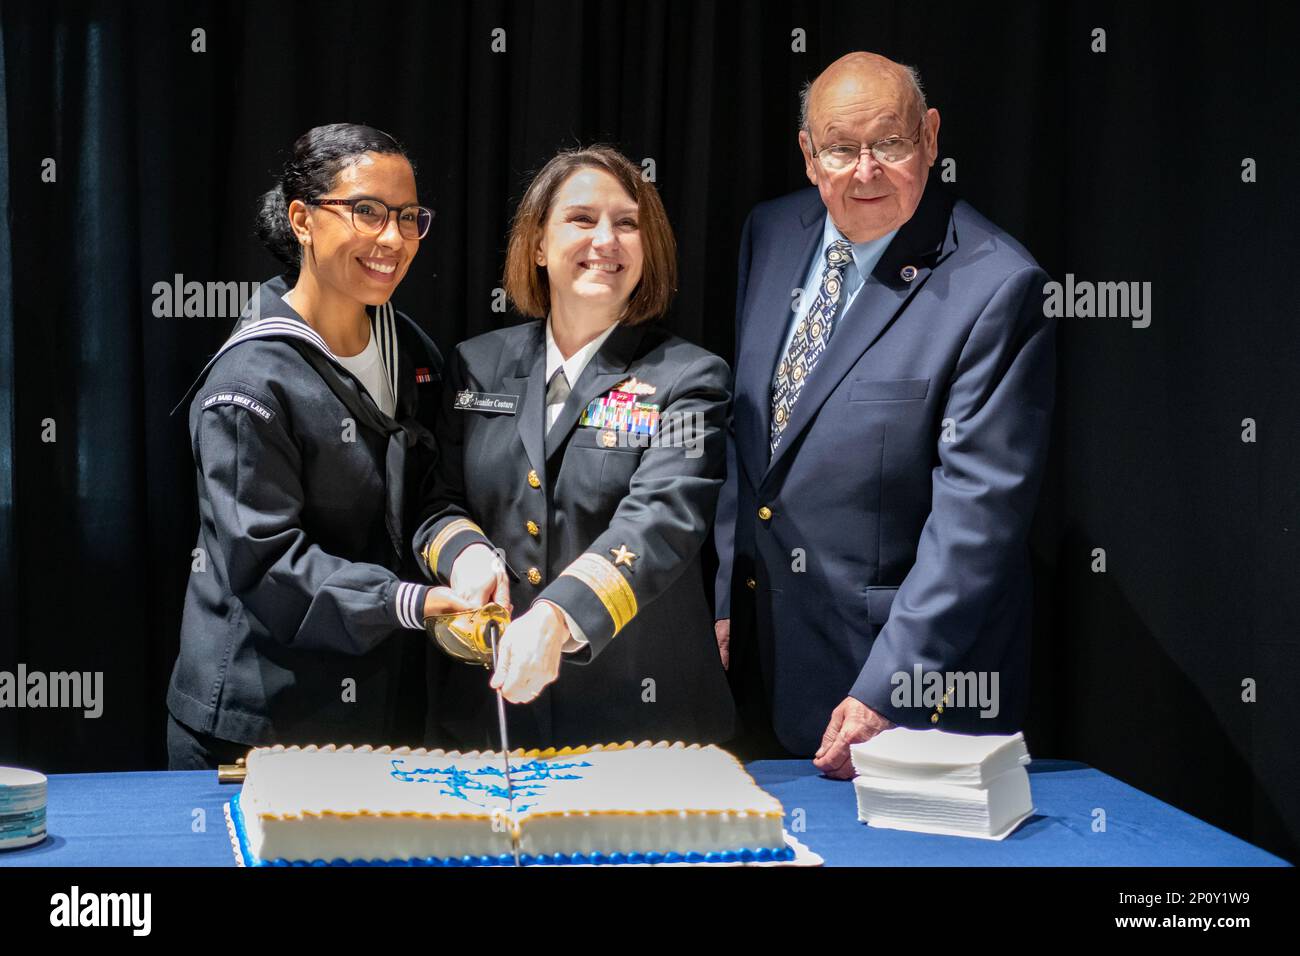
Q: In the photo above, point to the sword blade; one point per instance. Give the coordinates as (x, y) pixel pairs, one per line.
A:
(505, 746)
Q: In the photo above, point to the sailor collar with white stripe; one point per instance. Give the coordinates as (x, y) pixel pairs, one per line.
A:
(280, 320)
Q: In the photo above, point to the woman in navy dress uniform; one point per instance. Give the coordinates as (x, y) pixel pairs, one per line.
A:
(310, 432)
(581, 457)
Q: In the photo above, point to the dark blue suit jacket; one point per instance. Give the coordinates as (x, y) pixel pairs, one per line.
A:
(902, 491)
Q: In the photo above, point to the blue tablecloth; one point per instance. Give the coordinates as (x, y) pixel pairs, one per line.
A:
(175, 819)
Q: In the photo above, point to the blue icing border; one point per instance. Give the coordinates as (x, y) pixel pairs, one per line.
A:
(761, 855)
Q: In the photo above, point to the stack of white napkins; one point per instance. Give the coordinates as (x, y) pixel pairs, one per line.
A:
(935, 782)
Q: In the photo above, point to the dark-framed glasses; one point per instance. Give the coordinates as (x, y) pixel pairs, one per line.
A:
(370, 216)
(893, 149)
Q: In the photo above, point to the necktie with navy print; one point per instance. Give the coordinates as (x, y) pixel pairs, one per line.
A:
(810, 338)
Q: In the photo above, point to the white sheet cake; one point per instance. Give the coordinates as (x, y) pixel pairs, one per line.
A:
(615, 803)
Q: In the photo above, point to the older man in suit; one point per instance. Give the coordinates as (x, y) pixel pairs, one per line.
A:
(894, 383)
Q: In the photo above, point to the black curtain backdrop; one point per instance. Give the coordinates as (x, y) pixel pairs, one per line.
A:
(1123, 165)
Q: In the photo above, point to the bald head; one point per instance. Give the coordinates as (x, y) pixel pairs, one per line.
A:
(861, 72)
(870, 105)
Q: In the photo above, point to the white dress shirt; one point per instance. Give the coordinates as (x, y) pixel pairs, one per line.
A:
(865, 257)
(573, 365)
(573, 368)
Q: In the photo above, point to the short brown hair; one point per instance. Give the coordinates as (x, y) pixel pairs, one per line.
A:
(527, 284)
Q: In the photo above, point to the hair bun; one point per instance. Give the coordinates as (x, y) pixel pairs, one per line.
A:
(272, 227)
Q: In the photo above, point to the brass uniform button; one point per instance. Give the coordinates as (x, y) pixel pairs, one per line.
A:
(533, 529)
(534, 576)
(751, 583)
(765, 513)
(533, 480)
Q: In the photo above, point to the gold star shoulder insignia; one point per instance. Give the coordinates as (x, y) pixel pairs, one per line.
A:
(622, 555)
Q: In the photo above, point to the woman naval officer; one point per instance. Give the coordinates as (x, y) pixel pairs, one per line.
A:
(588, 448)
(309, 430)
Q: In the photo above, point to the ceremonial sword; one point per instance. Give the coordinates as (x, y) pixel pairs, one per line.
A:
(493, 634)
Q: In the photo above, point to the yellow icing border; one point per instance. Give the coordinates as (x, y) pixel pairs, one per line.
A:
(350, 814)
(439, 752)
(689, 811)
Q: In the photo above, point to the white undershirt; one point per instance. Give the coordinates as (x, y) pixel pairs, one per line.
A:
(368, 367)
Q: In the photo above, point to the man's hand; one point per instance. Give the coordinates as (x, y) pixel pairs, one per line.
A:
(852, 722)
(445, 601)
(478, 575)
(722, 631)
(528, 657)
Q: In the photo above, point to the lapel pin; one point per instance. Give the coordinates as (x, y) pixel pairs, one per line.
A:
(908, 273)
(633, 386)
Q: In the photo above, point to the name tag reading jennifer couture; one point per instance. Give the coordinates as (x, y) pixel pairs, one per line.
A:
(467, 401)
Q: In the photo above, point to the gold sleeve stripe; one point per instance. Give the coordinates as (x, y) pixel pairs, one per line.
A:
(609, 585)
(449, 531)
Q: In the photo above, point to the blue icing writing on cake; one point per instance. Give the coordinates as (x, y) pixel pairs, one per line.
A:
(484, 786)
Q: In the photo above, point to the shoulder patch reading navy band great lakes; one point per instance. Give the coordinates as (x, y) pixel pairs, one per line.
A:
(240, 399)
(467, 401)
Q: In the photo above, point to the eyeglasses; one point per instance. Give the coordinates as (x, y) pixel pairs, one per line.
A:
(893, 149)
(370, 216)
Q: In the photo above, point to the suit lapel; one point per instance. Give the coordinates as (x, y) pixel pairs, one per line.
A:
(765, 335)
(606, 369)
(921, 244)
(526, 381)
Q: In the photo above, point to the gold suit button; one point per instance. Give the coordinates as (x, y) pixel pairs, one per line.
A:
(765, 513)
(751, 583)
(533, 529)
(533, 480)
(534, 576)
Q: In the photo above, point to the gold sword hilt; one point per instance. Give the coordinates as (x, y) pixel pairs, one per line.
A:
(463, 634)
